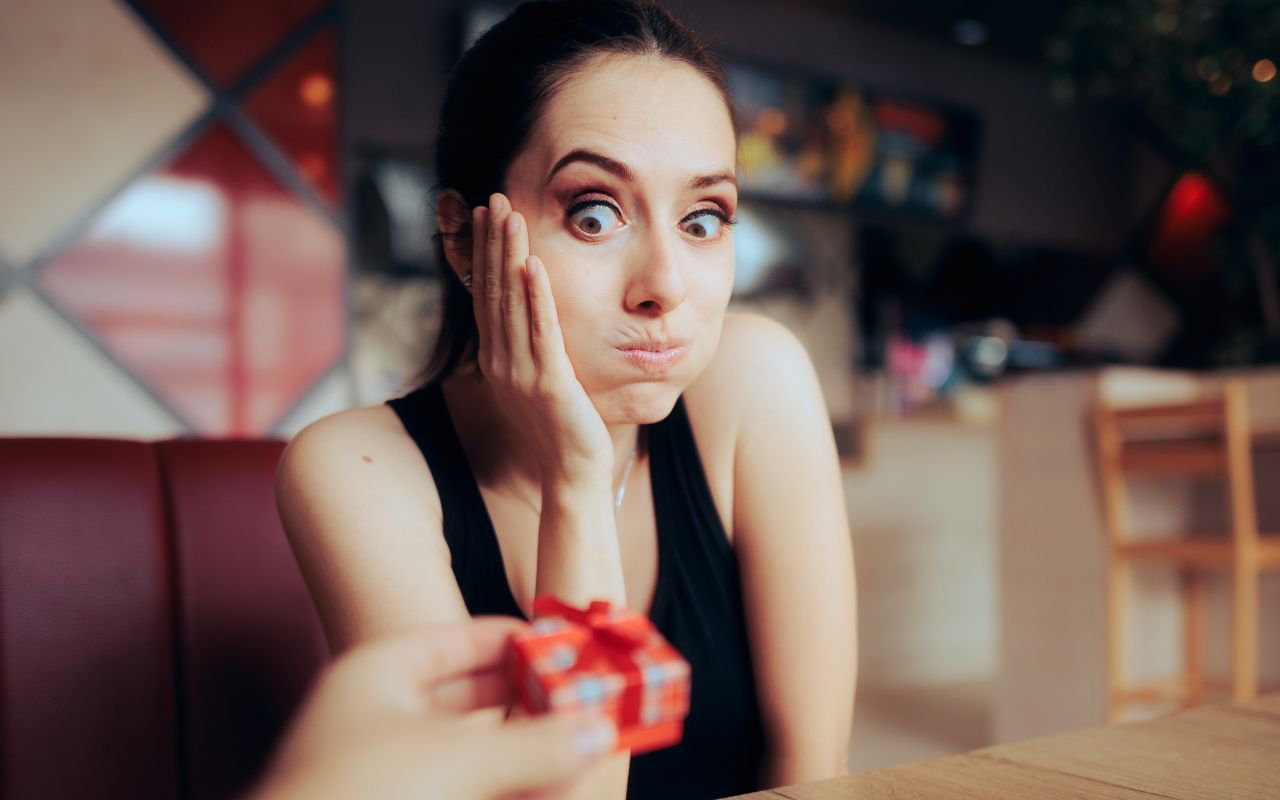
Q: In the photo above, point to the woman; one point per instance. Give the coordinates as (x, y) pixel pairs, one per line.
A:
(592, 424)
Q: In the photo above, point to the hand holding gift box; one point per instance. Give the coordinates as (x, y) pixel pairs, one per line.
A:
(604, 657)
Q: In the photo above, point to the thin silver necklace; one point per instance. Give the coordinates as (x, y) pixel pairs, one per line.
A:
(617, 497)
(626, 475)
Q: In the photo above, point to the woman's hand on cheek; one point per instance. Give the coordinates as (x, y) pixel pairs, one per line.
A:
(522, 351)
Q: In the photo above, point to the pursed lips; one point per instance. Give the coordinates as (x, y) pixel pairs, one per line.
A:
(654, 357)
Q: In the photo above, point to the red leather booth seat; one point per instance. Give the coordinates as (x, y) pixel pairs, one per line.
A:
(155, 632)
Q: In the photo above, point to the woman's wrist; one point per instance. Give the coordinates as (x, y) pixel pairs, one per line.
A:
(577, 476)
(578, 555)
(583, 492)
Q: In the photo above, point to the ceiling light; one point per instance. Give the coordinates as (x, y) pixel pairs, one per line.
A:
(970, 32)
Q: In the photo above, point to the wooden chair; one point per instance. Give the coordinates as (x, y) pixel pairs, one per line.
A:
(1209, 437)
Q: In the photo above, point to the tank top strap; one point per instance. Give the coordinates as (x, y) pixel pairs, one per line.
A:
(426, 419)
(475, 555)
(680, 481)
(692, 540)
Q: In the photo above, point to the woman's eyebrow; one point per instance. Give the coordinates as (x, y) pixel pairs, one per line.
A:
(703, 181)
(588, 157)
(615, 167)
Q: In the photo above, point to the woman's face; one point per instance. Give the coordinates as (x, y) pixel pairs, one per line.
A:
(626, 183)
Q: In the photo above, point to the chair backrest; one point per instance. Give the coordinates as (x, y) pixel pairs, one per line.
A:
(155, 631)
(1206, 435)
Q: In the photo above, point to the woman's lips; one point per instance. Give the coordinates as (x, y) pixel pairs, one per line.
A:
(654, 361)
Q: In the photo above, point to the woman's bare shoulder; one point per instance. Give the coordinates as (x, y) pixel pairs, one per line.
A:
(363, 516)
(363, 433)
(755, 352)
(362, 456)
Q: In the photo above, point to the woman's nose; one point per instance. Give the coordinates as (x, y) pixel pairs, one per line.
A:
(657, 282)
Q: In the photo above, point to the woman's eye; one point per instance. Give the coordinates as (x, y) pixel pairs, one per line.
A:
(595, 218)
(705, 224)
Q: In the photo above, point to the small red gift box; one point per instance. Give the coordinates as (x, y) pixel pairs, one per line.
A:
(604, 657)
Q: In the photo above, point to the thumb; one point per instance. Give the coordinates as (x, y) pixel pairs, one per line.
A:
(530, 753)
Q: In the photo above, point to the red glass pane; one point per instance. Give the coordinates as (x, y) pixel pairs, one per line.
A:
(297, 106)
(218, 287)
(228, 37)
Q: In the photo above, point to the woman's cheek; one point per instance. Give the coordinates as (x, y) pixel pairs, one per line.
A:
(715, 282)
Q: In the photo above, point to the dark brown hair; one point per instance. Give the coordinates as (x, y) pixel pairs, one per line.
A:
(497, 91)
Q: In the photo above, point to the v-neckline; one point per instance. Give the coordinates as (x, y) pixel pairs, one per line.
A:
(490, 533)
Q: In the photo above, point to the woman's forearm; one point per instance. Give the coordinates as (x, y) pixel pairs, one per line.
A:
(579, 561)
(578, 555)
(786, 770)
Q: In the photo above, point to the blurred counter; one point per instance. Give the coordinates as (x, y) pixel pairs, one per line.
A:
(921, 496)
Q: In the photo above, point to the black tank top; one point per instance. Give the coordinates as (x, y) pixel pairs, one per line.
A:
(697, 604)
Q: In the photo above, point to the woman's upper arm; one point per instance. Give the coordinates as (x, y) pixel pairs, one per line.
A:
(791, 533)
(363, 518)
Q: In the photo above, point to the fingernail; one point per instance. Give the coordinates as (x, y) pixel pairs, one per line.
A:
(496, 202)
(513, 223)
(594, 737)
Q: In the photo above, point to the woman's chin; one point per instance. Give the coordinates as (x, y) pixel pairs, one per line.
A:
(637, 403)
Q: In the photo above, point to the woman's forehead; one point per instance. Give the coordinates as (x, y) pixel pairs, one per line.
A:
(647, 113)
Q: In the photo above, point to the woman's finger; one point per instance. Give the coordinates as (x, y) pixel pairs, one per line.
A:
(479, 240)
(515, 297)
(546, 340)
(499, 208)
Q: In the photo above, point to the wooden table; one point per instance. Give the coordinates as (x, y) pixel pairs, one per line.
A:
(1228, 751)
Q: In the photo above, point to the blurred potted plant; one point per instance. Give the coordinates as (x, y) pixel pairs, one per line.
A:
(1198, 80)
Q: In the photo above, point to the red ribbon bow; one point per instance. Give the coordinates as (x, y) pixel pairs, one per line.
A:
(620, 636)
(613, 641)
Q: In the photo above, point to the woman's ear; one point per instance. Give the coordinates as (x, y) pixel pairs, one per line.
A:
(453, 220)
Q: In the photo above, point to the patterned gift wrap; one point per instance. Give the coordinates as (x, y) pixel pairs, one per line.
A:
(604, 657)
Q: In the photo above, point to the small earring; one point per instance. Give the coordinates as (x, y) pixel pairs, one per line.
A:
(466, 280)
